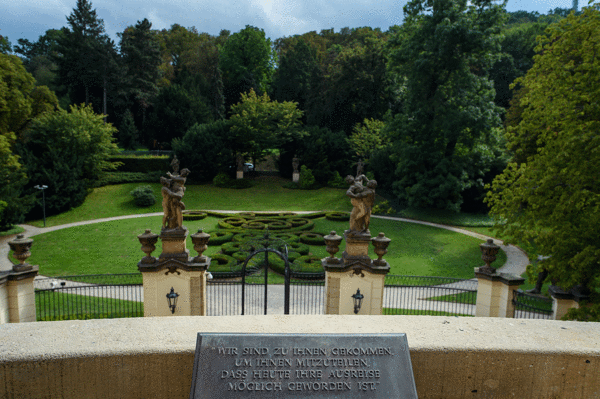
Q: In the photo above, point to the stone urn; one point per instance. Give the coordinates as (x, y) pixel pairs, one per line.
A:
(21, 251)
(200, 240)
(333, 241)
(148, 241)
(381, 243)
(489, 250)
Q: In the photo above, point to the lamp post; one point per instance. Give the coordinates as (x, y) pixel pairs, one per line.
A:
(43, 187)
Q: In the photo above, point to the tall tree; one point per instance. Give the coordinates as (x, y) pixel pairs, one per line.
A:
(86, 56)
(247, 62)
(140, 54)
(259, 124)
(66, 151)
(296, 74)
(20, 102)
(550, 195)
(443, 137)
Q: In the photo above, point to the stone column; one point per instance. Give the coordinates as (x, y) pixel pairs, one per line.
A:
(562, 300)
(20, 293)
(495, 293)
(173, 269)
(4, 315)
(353, 276)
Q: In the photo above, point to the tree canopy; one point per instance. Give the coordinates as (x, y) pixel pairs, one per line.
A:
(551, 196)
(259, 124)
(448, 117)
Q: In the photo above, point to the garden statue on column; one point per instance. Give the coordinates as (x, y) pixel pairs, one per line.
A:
(295, 164)
(175, 164)
(173, 207)
(362, 198)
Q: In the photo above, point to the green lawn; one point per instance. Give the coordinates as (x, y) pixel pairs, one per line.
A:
(418, 312)
(267, 195)
(51, 306)
(113, 247)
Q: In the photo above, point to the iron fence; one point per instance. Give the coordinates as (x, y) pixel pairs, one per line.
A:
(530, 306)
(437, 296)
(88, 297)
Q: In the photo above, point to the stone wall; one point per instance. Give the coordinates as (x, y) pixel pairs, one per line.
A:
(153, 357)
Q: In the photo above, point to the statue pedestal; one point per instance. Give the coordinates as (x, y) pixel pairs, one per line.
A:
(355, 272)
(495, 293)
(296, 177)
(174, 268)
(239, 174)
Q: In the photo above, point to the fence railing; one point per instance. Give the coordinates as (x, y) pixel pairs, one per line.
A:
(121, 295)
(88, 297)
(529, 306)
(436, 296)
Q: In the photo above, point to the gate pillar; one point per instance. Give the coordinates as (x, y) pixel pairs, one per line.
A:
(173, 269)
(354, 284)
(495, 293)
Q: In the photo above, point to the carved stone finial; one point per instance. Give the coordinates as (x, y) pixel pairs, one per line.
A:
(200, 240)
(489, 250)
(148, 241)
(381, 243)
(333, 241)
(21, 251)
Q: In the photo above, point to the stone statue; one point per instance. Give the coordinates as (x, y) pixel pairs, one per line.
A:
(362, 198)
(295, 164)
(172, 191)
(360, 166)
(166, 204)
(175, 165)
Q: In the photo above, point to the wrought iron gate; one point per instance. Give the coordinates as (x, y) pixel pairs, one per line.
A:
(266, 245)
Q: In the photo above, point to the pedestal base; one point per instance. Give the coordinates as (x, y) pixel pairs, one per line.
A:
(239, 174)
(340, 287)
(296, 177)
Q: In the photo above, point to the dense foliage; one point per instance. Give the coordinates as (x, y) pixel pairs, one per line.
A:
(66, 151)
(551, 195)
(20, 102)
(444, 136)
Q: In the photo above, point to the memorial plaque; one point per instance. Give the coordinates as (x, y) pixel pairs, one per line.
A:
(302, 365)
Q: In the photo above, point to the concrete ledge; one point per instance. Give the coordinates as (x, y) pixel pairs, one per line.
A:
(153, 357)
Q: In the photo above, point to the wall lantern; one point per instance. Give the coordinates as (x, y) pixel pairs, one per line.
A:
(172, 299)
(358, 297)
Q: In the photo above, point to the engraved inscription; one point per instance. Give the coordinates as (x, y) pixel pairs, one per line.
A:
(292, 366)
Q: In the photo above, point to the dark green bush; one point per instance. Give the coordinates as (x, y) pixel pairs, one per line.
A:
(205, 150)
(107, 178)
(143, 196)
(142, 163)
(307, 180)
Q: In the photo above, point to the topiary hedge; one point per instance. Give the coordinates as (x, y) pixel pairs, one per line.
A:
(218, 237)
(338, 216)
(143, 164)
(194, 215)
(312, 239)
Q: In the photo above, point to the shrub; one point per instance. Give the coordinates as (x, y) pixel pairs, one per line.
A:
(142, 163)
(143, 196)
(204, 150)
(383, 208)
(307, 180)
(222, 180)
(337, 181)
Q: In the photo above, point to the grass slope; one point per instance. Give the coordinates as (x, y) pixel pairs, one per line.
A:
(267, 195)
(113, 247)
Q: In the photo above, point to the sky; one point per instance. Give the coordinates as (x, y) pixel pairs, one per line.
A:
(30, 19)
